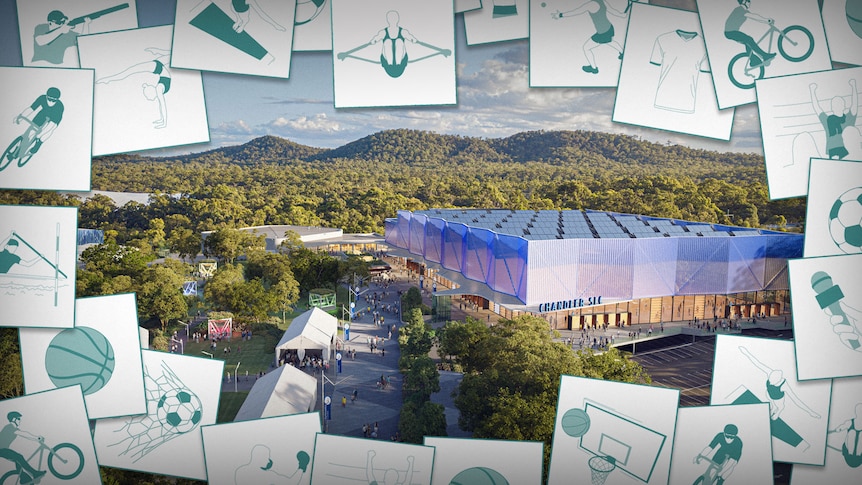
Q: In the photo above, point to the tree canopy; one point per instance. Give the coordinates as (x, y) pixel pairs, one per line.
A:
(512, 373)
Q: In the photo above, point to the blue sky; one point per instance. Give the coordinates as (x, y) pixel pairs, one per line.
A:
(494, 99)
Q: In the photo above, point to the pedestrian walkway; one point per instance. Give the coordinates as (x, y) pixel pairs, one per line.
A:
(376, 404)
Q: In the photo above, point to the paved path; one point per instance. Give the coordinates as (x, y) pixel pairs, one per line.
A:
(383, 405)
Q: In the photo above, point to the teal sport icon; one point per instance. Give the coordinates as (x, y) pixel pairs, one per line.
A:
(479, 476)
(308, 10)
(845, 221)
(844, 319)
(575, 422)
(172, 411)
(853, 9)
(179, 410)
(80, 355)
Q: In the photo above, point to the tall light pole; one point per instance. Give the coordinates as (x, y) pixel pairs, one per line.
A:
(235, 377)
(178, 341)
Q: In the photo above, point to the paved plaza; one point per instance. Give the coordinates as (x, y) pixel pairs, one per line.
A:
(676, 355)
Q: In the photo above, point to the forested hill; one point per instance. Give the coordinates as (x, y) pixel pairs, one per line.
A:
(588, 150)
(357, 186)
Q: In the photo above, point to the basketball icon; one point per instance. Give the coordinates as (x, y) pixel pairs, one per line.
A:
(575, 422)
(854, 16)
(479, 476)
(80, 355)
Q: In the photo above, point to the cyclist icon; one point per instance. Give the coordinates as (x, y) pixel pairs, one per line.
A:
(722, 454)
(795, 44)
(43, 116)
(65, 461)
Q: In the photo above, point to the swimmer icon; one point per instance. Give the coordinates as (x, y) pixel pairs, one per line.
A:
(829, 297)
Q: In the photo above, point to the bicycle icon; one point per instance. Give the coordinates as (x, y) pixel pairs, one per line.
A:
(65, 461)
(795, 44)
(24, 147)
(710, 475)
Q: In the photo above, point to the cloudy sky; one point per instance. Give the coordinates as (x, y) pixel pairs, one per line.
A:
(494, 98)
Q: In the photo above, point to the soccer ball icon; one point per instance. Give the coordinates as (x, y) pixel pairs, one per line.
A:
(179, 410)
(845, 221)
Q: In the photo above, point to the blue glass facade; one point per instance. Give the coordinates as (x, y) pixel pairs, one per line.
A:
(710, 259)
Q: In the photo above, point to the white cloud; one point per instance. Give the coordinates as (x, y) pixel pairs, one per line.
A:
(494, 100)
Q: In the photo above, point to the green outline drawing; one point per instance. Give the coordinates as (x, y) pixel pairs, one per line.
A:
(162, 423)
(847, 235)
(722, 454)
(393, 55)
(9, 258)
(681, 56)
(795, 44)
(80, 355)
(479, 474)
(318, 7)
(604, 30)
(833, 127)
(259, 468)
(609, 451)
(391, 476)
(845, 320)
(160, 76)
(504, 8)
(65, 460)
(42, 117)
(51, 39)
(851, 447)
(214, 21)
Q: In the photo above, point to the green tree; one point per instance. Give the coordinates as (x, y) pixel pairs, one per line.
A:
(228, 244)
(11, 374)
(512, 375)
(415, 338)
(155, 234)
(219, 289)
(161, 295)
(611, 365)
(411, 299)
(160, 341)
(458, 339)
(419, 419)
(314, 269)
(184, 242)
(422, 378)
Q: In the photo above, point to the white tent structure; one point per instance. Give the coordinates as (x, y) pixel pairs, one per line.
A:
(285, 390)
(313, 330)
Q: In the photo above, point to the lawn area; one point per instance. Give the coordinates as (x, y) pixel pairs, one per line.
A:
(229, 404)
(254, 356)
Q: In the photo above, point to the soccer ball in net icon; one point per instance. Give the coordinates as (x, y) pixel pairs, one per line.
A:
(179, 411)
(845, 221)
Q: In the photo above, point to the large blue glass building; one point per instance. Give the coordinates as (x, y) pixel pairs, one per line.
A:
(589, 266)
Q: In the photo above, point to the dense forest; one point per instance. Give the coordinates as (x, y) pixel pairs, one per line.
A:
(357, 186)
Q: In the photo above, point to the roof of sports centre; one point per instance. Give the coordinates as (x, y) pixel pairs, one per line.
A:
(577, 224)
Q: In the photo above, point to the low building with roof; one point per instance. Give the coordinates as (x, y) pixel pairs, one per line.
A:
(593, 267)
(314, 237)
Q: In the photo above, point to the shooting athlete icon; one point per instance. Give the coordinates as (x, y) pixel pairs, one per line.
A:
(844, 318)
(51, 39)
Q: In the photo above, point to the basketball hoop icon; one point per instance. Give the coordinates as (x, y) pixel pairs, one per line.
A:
(600, 467)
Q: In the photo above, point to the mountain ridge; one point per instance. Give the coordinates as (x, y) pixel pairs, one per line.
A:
(418, 147)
